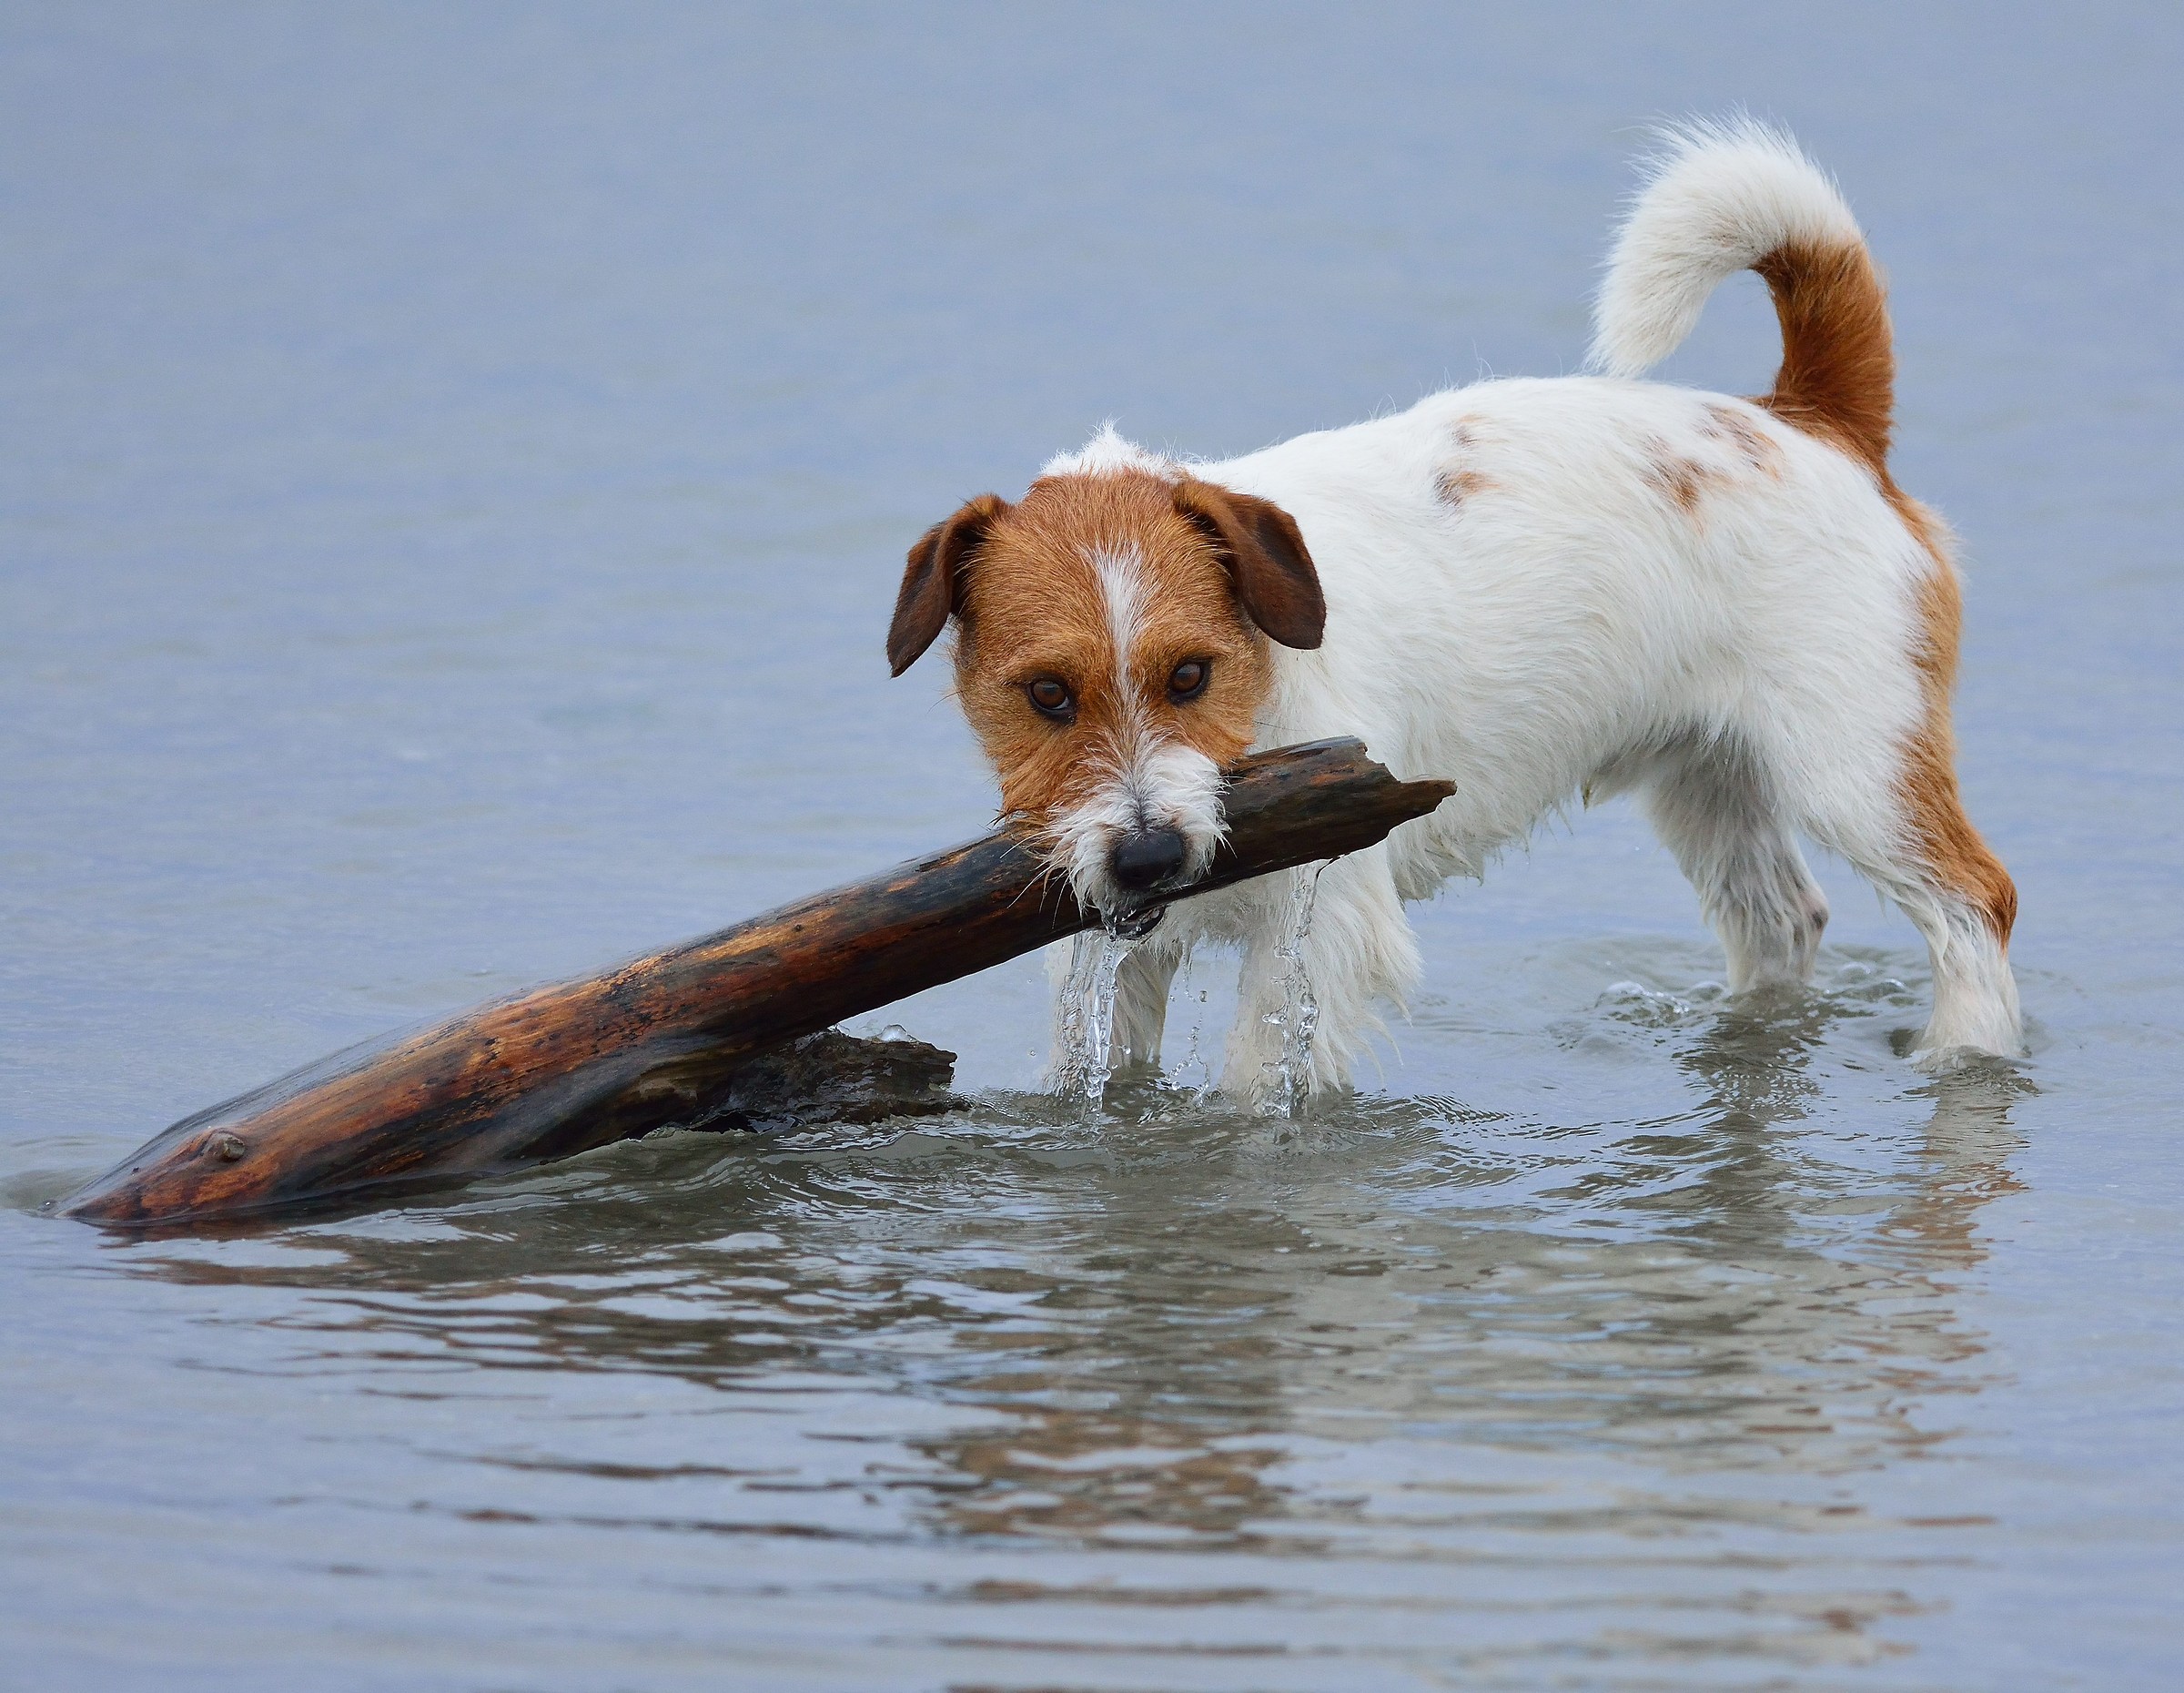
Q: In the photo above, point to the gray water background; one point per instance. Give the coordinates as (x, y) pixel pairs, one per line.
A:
(455, 465)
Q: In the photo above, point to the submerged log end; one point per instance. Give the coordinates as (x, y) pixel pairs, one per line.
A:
(200, 1169)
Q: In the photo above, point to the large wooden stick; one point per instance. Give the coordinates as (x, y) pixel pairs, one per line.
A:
(562, 1068)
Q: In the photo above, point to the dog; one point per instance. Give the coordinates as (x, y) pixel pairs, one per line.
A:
(1539, 589)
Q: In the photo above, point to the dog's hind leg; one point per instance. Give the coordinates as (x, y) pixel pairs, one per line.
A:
(1919, 849)
(1715, 808)
(1899, 821)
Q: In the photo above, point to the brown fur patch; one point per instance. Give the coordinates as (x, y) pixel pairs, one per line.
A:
(1682, 479)
(1947, 840)
(1457, 484)
(1728, 423)
(1838, 381)
(1034, 606)
(1460, 479)
(1261, 549)
(931, 588)
(1838, 378)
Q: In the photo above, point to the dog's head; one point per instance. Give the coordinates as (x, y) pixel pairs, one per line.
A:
(1111, 653)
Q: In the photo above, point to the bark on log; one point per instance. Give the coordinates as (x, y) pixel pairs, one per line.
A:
(562, 1068)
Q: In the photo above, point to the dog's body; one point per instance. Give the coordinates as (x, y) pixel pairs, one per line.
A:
(1537, 589)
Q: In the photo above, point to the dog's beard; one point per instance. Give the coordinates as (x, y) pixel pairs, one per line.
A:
(1164, 786)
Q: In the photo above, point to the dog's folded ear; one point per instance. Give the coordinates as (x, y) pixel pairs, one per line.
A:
(1260, 545)
(933, 580)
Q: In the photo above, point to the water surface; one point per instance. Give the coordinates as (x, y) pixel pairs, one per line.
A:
(455, 470)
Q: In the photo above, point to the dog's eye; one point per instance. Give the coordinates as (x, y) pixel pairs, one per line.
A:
(1052, 697)
(1188, 679)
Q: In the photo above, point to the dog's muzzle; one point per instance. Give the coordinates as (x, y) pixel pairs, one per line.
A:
(1143, 863)
(1142, 860)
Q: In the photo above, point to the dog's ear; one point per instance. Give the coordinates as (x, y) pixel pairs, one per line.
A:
(1264, 554)
(933, 580)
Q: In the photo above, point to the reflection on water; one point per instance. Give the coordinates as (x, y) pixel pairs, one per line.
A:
(1665, 1361)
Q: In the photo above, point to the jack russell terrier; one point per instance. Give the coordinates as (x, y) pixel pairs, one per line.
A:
(1535, 589)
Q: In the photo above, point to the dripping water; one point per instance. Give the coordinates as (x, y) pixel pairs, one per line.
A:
(1194, 1061)
(1288, 1073)
(1085, 1016)
(1085, 1058)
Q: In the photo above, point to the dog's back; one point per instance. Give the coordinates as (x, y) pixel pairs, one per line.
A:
(1573, 586)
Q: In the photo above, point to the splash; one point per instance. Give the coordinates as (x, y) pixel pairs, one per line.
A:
(1085, 1059)
(1084, 1035)
(1288, 1074)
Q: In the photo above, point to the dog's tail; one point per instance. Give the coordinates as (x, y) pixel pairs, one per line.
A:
(1735, 195)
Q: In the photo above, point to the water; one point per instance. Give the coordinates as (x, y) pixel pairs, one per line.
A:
(1084, 1061)
(456, 467)
(1289, 1076)
(1083, 1038)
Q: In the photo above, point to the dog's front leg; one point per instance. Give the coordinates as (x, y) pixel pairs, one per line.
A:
(1141, 987)
(1355, 949)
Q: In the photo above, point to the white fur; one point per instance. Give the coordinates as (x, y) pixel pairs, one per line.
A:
(1563, 625)
(1108, 451)
(1148, 780)
(1122, 588)
(1716, 197)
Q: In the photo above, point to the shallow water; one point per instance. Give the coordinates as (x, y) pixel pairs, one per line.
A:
(455, 472)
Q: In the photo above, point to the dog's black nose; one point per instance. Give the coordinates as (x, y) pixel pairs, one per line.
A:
(1144, 860)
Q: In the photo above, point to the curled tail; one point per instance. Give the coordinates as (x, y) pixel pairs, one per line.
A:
(1735, 196)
